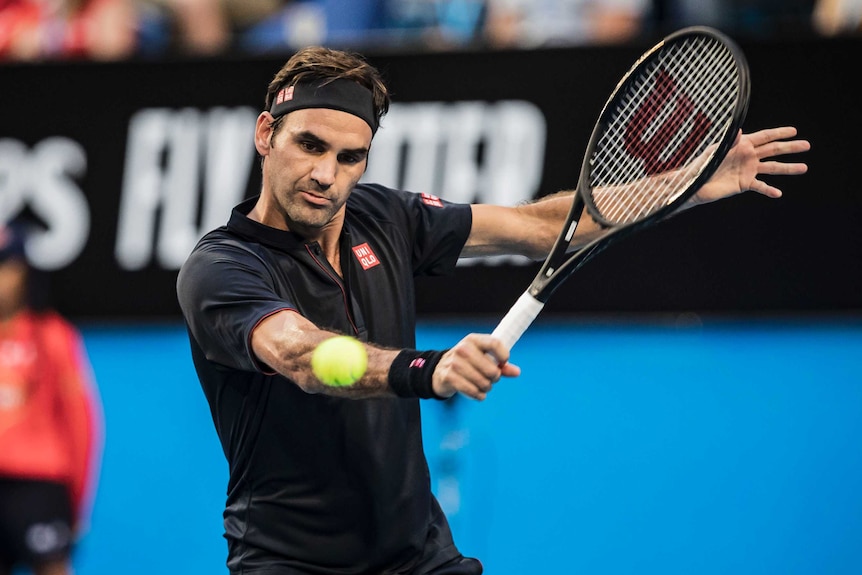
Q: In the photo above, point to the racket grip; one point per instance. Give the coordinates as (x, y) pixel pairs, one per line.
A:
(518, 319)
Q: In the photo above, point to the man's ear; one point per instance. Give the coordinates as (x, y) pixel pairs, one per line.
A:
(263, 133)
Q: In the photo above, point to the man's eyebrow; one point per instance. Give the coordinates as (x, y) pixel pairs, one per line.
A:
(310, 136)
(306, 135)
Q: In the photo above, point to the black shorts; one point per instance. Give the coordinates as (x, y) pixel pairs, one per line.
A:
(35, 522)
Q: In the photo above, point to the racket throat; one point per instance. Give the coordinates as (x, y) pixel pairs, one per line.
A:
(552, 264)
(570, 233)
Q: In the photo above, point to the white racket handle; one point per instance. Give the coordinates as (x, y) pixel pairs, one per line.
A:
(518, 319)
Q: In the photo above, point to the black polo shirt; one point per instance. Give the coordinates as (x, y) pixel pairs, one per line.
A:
(320, 484)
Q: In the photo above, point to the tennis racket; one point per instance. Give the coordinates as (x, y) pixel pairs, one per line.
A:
(662, 133)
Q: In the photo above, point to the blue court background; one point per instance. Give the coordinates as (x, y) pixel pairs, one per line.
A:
(624, 448)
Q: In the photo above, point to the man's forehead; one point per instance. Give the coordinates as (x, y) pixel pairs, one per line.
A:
(334, 127)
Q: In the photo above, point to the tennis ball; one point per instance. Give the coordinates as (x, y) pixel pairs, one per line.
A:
(339, 360)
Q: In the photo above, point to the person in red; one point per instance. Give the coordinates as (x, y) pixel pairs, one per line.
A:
(50, 425)
(68, 29)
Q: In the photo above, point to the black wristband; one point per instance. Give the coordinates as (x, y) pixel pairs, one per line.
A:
(411, 373)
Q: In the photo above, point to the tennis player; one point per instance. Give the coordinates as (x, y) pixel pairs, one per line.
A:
(334, 479)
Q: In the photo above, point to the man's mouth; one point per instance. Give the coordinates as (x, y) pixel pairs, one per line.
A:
(315, 199)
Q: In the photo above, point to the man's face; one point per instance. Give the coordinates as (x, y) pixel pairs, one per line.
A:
(311, 165)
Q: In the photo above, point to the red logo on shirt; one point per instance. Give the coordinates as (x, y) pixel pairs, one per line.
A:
(366, 257)
(432, 200)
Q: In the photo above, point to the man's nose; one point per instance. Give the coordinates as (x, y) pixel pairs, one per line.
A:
(325, 169)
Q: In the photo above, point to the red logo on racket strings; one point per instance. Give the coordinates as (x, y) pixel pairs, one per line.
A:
(431, 200)
(366, 257)
(664, 93)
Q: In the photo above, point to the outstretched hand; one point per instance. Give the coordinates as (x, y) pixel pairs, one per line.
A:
(751, 157)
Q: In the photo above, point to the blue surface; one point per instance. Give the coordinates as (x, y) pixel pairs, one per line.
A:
(625, 448)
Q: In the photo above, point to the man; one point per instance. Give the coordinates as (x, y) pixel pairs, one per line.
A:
(50, 425)
(334, 479)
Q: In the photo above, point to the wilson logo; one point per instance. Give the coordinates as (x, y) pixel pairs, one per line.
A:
(650, 143)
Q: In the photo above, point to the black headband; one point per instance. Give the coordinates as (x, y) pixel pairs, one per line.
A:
(341, 94)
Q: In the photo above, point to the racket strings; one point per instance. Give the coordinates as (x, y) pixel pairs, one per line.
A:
(667, 125)
(673, 124)
(659, 134)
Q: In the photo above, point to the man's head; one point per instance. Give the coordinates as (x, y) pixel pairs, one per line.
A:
(323, 108)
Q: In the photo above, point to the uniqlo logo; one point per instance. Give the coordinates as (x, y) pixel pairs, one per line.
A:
(284, 95)
(366, 257)
(432, 200)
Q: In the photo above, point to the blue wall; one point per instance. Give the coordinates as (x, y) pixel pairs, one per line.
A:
(625, 448)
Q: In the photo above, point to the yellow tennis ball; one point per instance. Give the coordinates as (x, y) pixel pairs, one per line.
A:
(339, 360)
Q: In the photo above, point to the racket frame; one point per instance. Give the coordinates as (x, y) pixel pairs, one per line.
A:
(558, 265)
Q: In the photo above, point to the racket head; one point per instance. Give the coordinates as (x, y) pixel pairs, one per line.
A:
(665, 128)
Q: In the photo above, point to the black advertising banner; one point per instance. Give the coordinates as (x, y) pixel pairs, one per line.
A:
(125, 165)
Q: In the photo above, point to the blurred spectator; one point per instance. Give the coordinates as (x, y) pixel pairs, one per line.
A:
(55, 29)
(752, 18)
(213, 27)
(434, 23)
(295, 24)
(302, 23)
(355, 22)
(203, 27)
(50, 425)
(836, 17)
(769, 18)
(670, 15)
(527, 23)
(116, 29)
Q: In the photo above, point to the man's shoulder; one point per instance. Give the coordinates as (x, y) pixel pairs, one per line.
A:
(218, 239)
(376, 194)
(377, 202)
(215, 246)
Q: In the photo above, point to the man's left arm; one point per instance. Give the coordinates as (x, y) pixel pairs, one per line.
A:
(526, 229)
(531, 229)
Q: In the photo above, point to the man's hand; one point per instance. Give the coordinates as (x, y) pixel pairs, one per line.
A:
(473, 366)
(749, 158)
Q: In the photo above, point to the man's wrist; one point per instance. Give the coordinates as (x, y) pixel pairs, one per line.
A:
(411, 373)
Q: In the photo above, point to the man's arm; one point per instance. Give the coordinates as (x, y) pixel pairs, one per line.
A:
(285, 342)
(531, 229)
(527, 229)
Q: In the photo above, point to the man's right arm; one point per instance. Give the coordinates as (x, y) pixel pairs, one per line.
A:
(285, 342)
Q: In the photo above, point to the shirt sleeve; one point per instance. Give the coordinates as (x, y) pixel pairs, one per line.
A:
(441, 229)
(435, 229)
(224, 291)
